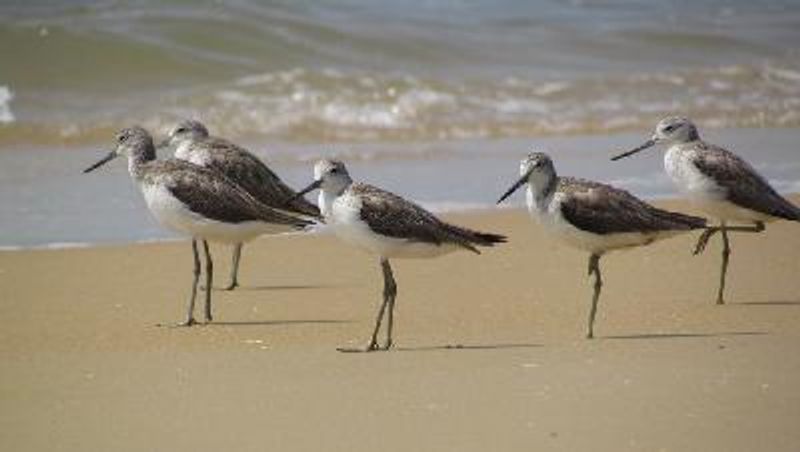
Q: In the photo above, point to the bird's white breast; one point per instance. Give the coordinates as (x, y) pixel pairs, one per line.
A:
(701, 190)
(172, 213)
(679, 164)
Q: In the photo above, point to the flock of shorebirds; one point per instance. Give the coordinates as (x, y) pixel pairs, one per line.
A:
(214, 190)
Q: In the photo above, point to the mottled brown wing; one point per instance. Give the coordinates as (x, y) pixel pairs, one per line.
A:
(390, 215)
(742, 184)
(255, 177)
(213, 196)
(602, 209)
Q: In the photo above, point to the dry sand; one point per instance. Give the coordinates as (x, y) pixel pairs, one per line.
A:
(490, 350)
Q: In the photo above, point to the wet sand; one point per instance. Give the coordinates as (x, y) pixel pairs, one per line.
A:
(490, 350)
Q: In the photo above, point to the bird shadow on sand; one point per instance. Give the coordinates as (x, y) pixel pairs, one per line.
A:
(279, 287)
(685, 335)
(771, 303)
(450, 347)
(279, 322)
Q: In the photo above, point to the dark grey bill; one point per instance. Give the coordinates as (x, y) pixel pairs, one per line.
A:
(647, 144)
(111, 155)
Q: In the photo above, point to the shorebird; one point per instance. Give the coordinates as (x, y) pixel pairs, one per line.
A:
(719, 183)
(195, 201)
(388, 226)
(593, 217)
(193, 143)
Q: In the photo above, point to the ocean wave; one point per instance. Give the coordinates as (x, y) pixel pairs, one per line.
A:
(6, 96)
(334, 106)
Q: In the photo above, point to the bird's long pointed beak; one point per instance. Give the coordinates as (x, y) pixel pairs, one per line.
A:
(647, 144)
(311, 187)
(519, 183)
(111, 156)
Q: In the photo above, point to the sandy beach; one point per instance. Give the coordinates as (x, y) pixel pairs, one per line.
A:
(490, 350)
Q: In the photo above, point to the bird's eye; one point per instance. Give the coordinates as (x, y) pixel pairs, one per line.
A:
(334, 170)
(670, 128)
(122, 137)
(180, 130)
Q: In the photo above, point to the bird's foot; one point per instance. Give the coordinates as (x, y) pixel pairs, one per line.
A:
(372, 347)
(189, 322)
(231, 286)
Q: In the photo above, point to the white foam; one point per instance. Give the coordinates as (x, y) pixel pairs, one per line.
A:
(6, 96)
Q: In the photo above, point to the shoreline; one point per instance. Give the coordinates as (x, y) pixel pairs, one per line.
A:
(59, 204)
(452, 210)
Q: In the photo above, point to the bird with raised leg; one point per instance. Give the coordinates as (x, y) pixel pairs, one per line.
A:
(720, 183)
(389, 227)
(195, 201)
(593, 217)
(193, 143)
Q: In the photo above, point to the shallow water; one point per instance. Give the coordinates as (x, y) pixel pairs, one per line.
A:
(45, 200)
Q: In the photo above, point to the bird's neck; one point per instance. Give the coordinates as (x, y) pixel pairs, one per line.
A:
(327, 195)
(542, 187)
(138, 159)
(184, 150)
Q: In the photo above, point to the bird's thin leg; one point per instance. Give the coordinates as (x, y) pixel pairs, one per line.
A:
(195, 279)
(702, 241)
(726, 252)
(237, 254)
(594, 267)
(209, 280)
(373, 343)
(389, 293)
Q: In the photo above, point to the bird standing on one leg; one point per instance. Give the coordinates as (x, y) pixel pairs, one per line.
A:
(193, 143)
(592, 216)
(719, 183)
(388, 226)
(195, 201)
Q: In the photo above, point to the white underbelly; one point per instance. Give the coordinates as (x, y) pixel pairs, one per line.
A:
(703, 191)
(557, 226)
(389, 247)
(347, 225)
(727, 211)
(173, 214)
(600, 243)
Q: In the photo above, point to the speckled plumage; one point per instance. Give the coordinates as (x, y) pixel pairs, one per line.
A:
(193, 143)
(239, 165)
(603, 209)
(206, 193)
(390, 215)
(720, 183)
(387, 226)
(196, 201)
(593, 217)
(734, 180)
